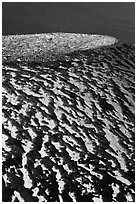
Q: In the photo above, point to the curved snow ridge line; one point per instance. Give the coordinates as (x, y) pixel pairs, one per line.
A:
(30, 47)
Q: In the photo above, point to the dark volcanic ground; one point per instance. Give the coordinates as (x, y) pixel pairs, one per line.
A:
(107, 18)
(68, 127)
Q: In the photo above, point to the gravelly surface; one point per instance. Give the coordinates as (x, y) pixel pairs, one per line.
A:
(68, 127)
(45, 47)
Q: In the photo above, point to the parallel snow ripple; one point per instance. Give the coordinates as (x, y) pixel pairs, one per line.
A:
(68, 128)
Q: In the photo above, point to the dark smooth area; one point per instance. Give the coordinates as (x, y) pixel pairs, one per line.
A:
(113, 18)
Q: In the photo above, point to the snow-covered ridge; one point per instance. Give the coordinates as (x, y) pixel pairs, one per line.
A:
(68, 125)
(42, 46)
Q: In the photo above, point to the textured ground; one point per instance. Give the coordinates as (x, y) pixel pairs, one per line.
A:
(45, 47)
(68, 127)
